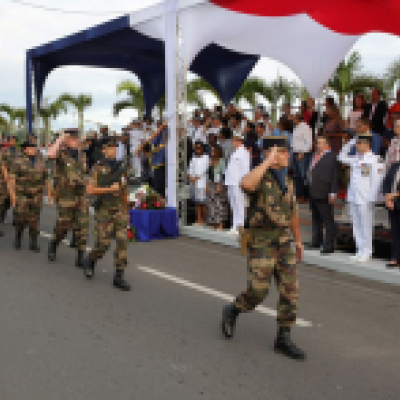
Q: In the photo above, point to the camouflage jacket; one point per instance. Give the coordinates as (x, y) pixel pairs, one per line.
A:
(111, 201)
(271, 212)
(69, 176)
(3, 184)
(9, 155)
(29, 179)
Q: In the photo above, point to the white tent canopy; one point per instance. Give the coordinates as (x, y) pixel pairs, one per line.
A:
(308, 48)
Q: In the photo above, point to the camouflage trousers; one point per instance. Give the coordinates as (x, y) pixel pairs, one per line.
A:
(27, 212)
(73, 214)
(263, 263)
(111, 224)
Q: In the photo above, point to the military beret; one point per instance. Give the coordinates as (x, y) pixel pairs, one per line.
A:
(109, 141)
(73, 132)
(367, 137)
(27, 144)
(278, 141)
(226, 132)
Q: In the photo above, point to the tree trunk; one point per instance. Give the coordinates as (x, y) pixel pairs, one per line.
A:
(81, 123)
(342, 105)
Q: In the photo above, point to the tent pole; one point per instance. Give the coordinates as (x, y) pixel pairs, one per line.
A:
(28, 93)
(171, 7)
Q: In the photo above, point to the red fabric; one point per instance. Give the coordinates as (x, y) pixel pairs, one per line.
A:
(352, 17)
(395, 108)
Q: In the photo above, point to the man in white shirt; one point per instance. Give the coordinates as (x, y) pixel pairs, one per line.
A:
(366, 176)
(302, 148)
(238, 167)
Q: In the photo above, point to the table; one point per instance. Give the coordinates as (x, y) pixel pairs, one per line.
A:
(155, 224)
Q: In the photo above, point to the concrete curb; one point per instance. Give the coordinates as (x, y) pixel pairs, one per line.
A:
(340, 262)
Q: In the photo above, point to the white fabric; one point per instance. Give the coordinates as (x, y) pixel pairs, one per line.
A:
(366, 175)
(237, 202)
(302, 138)
(308, 48)
(238, 167)
(198, 168)
(120, 151)
(362, 216)
(199, 135)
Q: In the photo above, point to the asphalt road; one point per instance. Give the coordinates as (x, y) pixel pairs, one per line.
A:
(64, 338)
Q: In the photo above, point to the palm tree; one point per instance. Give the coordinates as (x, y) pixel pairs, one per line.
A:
(135, 97)
(52, 111)
(194, 89)
(277, 89)
(348, 79)
(393, 73)
(249, 89)
(14, 114)
(80, 102)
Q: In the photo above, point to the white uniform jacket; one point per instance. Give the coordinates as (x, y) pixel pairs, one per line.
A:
(238, 167)
(366, 175)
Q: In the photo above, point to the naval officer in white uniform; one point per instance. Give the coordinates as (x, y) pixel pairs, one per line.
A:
(238, 167)
(366, 176)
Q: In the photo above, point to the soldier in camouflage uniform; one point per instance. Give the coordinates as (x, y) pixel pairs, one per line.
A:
(27, 178)
(3, 186)
(271, 216)
(69, 176)
(111, 216)
(9, 154)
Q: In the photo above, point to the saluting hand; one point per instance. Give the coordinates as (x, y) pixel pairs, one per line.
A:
(115, 187)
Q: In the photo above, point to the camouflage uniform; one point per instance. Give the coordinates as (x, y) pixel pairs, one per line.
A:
(270, 253)
(30, 180)
(69, 178)
(8, 156)
(111, 220)
(3, 186)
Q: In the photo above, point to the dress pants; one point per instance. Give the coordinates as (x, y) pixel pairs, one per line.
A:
(158, 181)
(362, 216)
(394, 218)
(323, 215)
(237, 203)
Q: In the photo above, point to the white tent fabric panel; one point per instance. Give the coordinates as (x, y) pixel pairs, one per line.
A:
(309, 49)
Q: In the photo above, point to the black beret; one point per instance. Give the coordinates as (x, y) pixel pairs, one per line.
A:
(365, 137)
(109, 141)
(73, 132)
(278, 141)
(27, 144)
(226, 132)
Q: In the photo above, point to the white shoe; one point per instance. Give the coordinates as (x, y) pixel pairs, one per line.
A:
(356, 257)
(364, 258)
(233, 231)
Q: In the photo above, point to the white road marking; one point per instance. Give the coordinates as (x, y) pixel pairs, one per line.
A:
(215, 293)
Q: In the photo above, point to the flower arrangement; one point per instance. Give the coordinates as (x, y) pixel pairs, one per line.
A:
(131, 234)
(146, 198)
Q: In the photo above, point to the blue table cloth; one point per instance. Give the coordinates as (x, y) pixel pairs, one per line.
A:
(155, 224)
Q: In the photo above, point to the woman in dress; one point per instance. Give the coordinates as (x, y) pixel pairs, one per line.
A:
(198, 177)
(217, 207)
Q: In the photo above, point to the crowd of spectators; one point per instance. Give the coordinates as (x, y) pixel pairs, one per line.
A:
(223, 145)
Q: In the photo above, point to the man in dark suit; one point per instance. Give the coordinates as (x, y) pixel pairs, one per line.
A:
(323, 176)
(376, 112)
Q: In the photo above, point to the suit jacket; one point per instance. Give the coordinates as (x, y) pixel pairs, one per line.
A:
(388, 183)
(324, 177)
(378, 118)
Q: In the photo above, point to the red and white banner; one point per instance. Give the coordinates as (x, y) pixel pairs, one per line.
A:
(309, 36)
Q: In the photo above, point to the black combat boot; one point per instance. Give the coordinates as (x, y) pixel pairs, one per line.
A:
(18, 239)
(284, 345)
(120, 282)
(229, 317)
(79, 259)
(73, 242)
(1, 233)
(52, 254)
(33, 246)
(88, 267)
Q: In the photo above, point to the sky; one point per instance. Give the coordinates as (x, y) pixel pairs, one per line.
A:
(23, 27)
